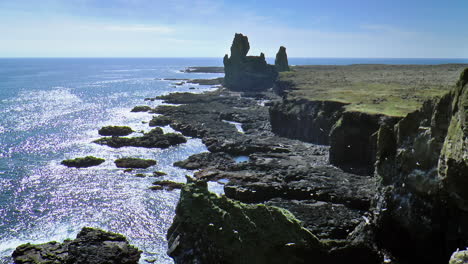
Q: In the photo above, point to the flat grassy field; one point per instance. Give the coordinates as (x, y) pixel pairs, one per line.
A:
(393, 90)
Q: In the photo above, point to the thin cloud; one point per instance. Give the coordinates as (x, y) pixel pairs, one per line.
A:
(140, 28)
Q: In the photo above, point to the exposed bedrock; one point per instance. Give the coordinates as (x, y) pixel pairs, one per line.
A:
(423, 164)
(353, 141)
(351, 135)
(91, 246)
(212, 229)
(247, 73)
(309, 121)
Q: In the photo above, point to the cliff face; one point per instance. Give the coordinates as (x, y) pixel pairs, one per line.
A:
(212, 229)
(247, 73)
(310, 121)
(423, 164)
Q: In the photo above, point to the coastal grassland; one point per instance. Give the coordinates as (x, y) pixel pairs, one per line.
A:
(393, 90)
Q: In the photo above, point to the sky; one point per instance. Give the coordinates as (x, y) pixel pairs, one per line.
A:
(205, 28)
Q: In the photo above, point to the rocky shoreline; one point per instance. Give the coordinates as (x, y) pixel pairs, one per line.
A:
(397, 195)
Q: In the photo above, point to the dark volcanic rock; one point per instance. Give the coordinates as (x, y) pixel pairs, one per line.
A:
(281, 61)
(91, 246)
(309, 121)
(134, 163)
(423, 164)
(206, 159)
(159, 121)
(85, 162)
(117, 131)
(153, 139)
(247, 73)
(168, 185)
(216, 81)
(212, 229)
(141, 108)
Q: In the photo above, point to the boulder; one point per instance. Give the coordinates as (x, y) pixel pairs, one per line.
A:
(247, 73)
(141, 108)
(115, 131)
(91, 246)
(134, 163)
(281, 61)
(160, 121)
(153, 139)
(169, 185)
(85, 162)
(459, 257)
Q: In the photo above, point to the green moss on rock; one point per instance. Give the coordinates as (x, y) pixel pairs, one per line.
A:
(213, 229)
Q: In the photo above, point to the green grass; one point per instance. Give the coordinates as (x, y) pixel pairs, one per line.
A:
(393, 90)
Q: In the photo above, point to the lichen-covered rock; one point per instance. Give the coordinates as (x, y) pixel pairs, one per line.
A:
(459, 257)
(153, 139)
(423, 164)
(247, 73)
(281, 61)
(85, 162)
(116, 131)
(91, 246)
(134, 163)
(212, 229)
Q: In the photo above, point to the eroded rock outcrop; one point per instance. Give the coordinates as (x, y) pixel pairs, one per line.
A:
(213, 229)
(115, 131)
(88, 161)
(91, 246)
(281, 61)
(247, 73)
(156, 138)
(423, 164)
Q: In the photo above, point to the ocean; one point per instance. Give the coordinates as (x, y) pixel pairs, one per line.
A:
(51, 110)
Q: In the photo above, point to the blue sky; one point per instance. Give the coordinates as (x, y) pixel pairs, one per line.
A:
(205, 28)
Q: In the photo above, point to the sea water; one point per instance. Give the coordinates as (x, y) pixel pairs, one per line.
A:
(51, 110)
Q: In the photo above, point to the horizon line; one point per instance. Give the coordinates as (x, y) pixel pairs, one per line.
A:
(84, 57)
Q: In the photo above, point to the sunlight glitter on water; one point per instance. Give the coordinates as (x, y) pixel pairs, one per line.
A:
(41, 200)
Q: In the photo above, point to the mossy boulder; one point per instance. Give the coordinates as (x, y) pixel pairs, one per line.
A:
(212, 229)
(134, 163)
(141, 108)
(281, 61)
(91, 246)
(115, 131)
(160, 121)
(459, 257)
(88, 161)
(247, 73)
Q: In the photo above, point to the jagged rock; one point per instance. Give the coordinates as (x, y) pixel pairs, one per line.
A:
(153, 139)
(116, 131)
(159, 121)
(212, 229)
(134, 163)
(85, 162)
(169, 185)
(281, 61)
(141, 108)
(459, 257)
(247, 73)
(423, 164)
(91, 246)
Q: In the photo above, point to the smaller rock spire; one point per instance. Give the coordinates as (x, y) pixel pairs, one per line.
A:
(281, 61)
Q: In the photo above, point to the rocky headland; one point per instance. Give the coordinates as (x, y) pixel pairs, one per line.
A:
(334, 164)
